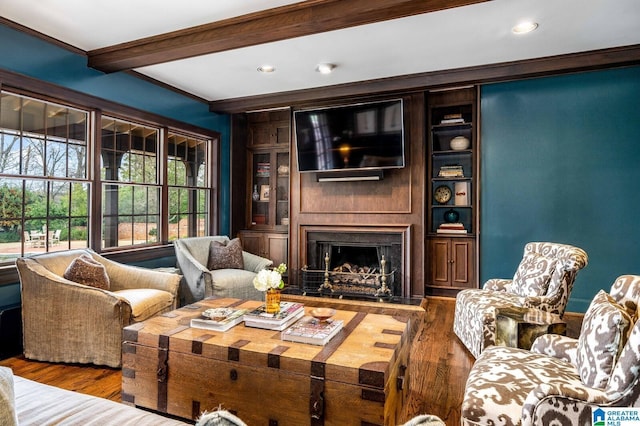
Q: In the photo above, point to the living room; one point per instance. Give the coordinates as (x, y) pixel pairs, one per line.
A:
(558, 157)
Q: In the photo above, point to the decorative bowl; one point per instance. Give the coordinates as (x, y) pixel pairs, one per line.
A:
(459, 143)
(217, 314)
(322, 314)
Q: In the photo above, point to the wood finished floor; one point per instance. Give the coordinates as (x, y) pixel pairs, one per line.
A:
(439, 367)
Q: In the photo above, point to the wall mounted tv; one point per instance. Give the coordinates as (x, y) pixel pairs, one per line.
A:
(365, 136)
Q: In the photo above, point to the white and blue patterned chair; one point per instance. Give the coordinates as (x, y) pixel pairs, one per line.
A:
(544, 280)
(561, 380)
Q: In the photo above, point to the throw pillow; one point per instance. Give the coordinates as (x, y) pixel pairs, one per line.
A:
(227, 256)
(88, 271)
(533, 275)
(604, 332)
(219, 418)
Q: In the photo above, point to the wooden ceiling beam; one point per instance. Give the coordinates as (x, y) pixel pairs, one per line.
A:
(294, 20)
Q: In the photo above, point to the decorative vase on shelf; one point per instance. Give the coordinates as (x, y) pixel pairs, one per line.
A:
(272, 301)
(451, 216)
(255, 195)
(459, 143)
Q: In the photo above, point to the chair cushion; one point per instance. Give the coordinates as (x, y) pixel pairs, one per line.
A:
(533, 275)
(85, 270)
(604, 332)
(227, 256)
(146, 302)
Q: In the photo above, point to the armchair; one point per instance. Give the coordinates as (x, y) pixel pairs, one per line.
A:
(543, 280)
(192, 255)
(563, 380)
(64, 321)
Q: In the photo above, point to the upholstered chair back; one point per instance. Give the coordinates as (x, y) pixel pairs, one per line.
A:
(198, 247)
(564, 262)
(624, 383)
(58, 261)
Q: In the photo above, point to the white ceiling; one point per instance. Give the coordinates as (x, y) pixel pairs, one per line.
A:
(464, 36)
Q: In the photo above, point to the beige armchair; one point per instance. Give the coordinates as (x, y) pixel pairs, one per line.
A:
(64, 321)
(192, 255)
(543, 280)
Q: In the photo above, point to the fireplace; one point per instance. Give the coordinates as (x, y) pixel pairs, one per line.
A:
(354, 262)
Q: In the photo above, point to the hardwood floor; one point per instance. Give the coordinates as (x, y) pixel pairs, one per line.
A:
(439, 367)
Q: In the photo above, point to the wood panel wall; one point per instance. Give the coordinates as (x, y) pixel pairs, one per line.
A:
(397, 201)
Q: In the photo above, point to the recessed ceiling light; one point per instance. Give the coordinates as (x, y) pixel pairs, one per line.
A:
(524, 27)
(267, 68)
(325, 68)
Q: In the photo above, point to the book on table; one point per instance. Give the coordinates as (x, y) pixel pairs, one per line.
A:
(219, 319)
(312, 331)
(289, 312)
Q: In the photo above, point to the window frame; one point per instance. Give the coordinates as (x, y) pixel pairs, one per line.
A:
(95, 107)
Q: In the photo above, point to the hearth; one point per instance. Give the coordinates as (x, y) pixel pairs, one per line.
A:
(363, 264)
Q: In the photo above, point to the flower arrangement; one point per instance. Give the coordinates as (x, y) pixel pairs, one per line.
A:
(268, 279)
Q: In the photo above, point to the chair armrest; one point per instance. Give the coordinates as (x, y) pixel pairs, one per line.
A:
(566, 403)
(557, 346)
(255, 263)
(497, 284)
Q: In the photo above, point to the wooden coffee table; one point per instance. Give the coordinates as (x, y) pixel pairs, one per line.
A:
(360, 377)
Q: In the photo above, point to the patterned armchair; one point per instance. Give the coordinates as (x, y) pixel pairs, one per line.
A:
(563, 380)
(544, 280)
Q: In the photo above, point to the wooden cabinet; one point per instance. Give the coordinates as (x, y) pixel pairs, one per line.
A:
(268, 135)
(274, 246)
(451, 262)
(452, 182)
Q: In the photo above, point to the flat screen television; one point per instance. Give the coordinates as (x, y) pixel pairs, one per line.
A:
(350, 137)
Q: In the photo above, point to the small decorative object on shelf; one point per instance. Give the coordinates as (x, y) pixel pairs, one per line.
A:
(270, 281)
(452, 119)
(461, 190)
(442, 194)
(256, 194)
(459, 143)
(453, 170)
(451, 216)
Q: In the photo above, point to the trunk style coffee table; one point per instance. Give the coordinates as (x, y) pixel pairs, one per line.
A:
(360, 377)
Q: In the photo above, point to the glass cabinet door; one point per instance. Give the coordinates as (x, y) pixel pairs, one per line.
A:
(261, 191)
(282, 189)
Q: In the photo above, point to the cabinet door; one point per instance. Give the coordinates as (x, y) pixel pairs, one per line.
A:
(277, 248)
(439, 264)
(252, 242)
(462, 266)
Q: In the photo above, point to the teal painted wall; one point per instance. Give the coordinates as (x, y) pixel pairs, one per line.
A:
(31, 56)
(561, 162)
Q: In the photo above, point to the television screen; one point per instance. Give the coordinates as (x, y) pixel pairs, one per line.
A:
(351, 137)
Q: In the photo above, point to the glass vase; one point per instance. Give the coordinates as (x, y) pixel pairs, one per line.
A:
(272, 301)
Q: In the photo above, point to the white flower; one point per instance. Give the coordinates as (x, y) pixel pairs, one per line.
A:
(267, 279)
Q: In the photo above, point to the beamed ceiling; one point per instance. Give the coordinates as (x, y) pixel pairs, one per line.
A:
(212, 49)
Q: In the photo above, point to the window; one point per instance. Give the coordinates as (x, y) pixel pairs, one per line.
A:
(48, 186)
(189, 183)
(44, 184)
(130, 183)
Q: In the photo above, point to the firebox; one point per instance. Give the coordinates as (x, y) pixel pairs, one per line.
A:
(363, 264)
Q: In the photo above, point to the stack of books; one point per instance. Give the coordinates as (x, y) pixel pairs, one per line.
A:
(312, 331)
(451, 228)
(454, 170)
(289, 313)
(225, 321)
(452, 119)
